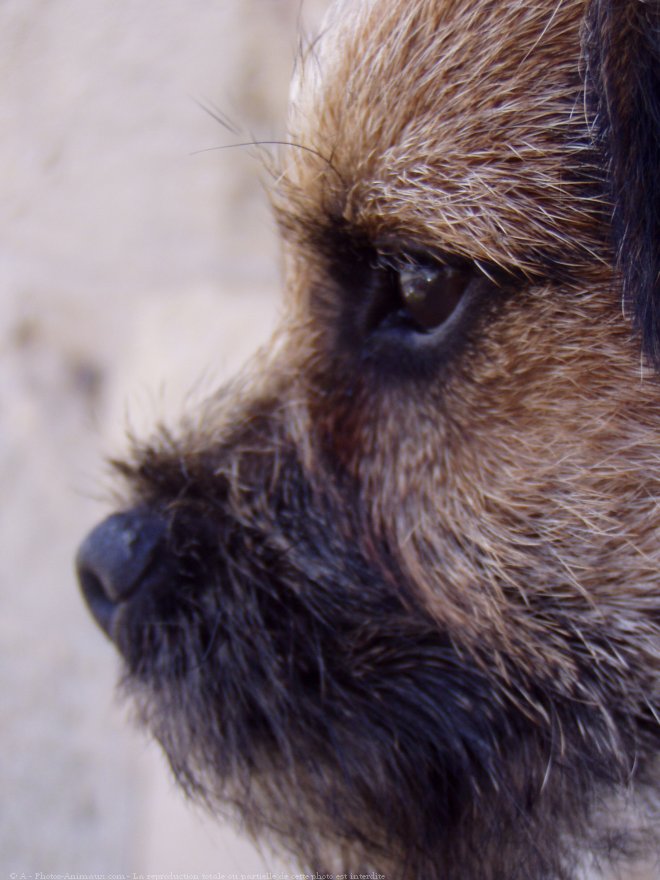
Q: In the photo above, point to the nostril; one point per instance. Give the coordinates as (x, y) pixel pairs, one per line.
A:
(115, 558)
(100, 604)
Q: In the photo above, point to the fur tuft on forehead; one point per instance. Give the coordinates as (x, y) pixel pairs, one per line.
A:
(491, 157)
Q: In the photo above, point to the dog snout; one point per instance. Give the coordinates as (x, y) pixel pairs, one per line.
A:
(119, 559)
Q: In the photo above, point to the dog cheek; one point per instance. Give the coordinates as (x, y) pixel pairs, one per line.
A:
(498, 516)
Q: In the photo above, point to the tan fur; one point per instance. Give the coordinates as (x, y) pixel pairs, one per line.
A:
(548, 430)
(489, 157)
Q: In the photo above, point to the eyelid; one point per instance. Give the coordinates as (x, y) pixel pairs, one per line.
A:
(403, 258)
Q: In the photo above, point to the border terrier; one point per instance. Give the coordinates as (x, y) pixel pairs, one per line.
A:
(392, 598)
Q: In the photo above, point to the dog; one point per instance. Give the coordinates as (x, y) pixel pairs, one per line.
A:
(392, 597)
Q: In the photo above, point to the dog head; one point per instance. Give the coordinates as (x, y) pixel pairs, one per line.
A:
(393, 594)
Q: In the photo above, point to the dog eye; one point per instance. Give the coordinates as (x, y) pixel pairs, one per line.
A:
(415, 298)
(401, 304)
(430, 293)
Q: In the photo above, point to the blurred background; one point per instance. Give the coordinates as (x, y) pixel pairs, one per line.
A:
(138, 264)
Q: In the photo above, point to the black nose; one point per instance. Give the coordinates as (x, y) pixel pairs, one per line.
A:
(116, 558)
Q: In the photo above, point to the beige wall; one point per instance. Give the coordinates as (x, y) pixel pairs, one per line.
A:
(130, 265)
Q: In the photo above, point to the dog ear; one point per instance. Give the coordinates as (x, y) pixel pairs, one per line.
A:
(622, 54)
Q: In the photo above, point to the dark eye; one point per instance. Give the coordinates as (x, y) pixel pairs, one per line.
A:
(416, 297)
(431, 293)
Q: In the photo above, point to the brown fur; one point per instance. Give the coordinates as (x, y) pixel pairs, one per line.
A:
(412, 600)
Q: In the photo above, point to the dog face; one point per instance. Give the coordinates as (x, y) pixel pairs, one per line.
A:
(393, 594)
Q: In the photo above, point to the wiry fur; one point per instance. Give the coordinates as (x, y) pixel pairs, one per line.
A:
(408, 616)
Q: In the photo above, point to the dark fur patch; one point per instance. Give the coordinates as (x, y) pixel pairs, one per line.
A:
(622, 48)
